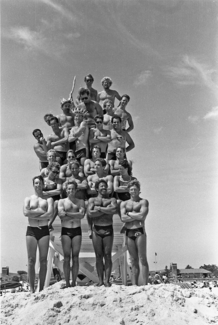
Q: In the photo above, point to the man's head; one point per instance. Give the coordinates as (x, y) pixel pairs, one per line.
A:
(106, 82)
(78, 118)
(65, 105)
(70, 155)
(108, 105)
(38, 182)
(101, 186)
(99, 121)
(47, 118)
(124, 100)
(54, 169)
(54, 123)
(116, 122)
(71, 187)
(37, 133)
(84, 95)
(125, 165)
(51, 156)
(89, 80)
(100, 164)
(75, 168)
(134, 188)
(120, 153)
(96, 151)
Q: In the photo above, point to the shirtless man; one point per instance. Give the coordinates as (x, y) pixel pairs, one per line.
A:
(119, 138)
(91, 107)
(39, 148)
(89, 164)
(39, 211)
(109, 113)
(100, 174)
(82, 183)
(80, 135)
(93, 92)
(107, 93)
(47, 118)
(125, 116)
(71, 211)
(99, 136)
(133, 213)
(115, 164)
(58, 140)
(100, 211)
(66, 119)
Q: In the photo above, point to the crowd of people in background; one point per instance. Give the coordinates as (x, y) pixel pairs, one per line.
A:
(85, 172)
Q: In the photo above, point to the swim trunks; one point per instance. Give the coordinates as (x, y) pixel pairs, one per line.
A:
(103, 231)
(43, 164)
(134, 233)
(36, 232)
(80, 154)
(123, 196)
(71, 232)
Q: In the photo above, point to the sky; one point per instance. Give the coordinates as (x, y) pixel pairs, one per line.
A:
(163, 54)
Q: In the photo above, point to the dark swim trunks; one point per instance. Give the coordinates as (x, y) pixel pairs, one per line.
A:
(36, 232)
(80, 154)
(134, 233)
(71, 232)
(103, 231)
(123, 196)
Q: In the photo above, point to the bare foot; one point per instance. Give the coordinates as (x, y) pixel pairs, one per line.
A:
(107, 284)
(64, 286)
(99, 284)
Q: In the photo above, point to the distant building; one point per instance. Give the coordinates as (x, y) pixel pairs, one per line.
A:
(193, 273)
(5, 270)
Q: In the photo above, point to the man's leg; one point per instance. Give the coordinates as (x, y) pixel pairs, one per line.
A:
(43, 244)
(107, 246)
(133, 252)
(66, 245)
(98, 247)
(76, 245)
(31, 244)
(141, 244)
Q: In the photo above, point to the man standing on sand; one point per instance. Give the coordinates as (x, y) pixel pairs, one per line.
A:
(100, 211)
(133, 213)
(71, 211)
(39, 211)
(39, 148)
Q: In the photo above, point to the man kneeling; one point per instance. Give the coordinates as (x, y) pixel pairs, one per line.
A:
(101, 210)
(133, 213)
(71, 211)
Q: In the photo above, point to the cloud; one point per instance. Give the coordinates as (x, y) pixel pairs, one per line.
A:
(158, 130)
(143, 78)
(212, 115)
(30, 39)
(190, 71)
(61, 10)
(193, 119)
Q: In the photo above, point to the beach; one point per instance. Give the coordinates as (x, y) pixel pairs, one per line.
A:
(163, 304)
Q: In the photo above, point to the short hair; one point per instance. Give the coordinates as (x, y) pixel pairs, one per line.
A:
(75, 163)
(102, 161)
(127, 96)
(116, 117)
(36, 130)
(106, 79)
(107, 101)
(48, 115)
(71, 182)
(120, 148)
(125, 164)
(52, 150)
(98, 117)
(39, 177)
(52, 165)
(89, 76)
(65, 101)
(54, 118)
(134, 182)
(70, 151)
(96, 147)
(83, 91)
(99, 182)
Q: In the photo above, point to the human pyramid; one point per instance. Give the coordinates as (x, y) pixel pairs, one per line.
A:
(84, 172)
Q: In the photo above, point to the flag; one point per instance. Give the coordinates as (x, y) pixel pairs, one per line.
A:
(155, 254)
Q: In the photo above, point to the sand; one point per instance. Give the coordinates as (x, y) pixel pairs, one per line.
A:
(152, 304)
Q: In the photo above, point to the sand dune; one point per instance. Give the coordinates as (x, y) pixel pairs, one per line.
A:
(159, 304)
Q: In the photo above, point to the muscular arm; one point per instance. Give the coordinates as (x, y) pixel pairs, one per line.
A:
(87, 168)
(109, 179)
(62, 140)
(92, 213)
(141, 215)
(111, 208)
(123, 213)
(39, 151)
(130, 142)
(114, 171)
(50, 211)
(77, 215)
(31, 212)
(117, 187)
(83, 185)
(62, 173)
(51, 193)
(99, 109)
(117, 95)
(130, 122)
